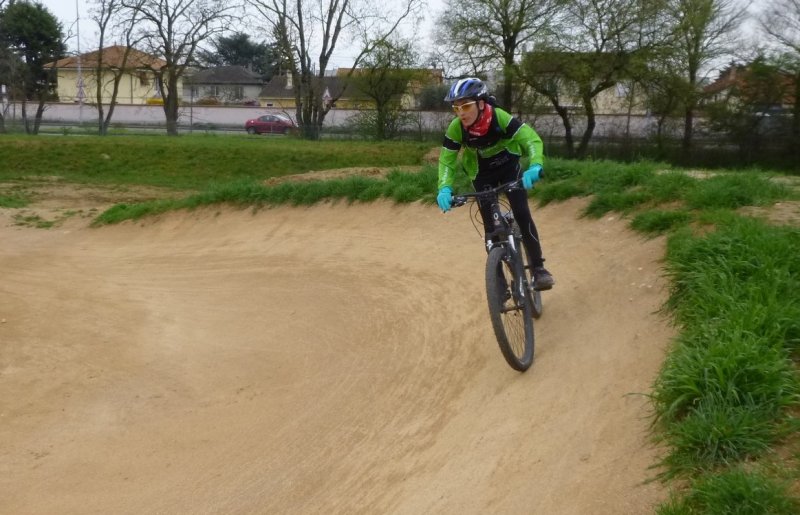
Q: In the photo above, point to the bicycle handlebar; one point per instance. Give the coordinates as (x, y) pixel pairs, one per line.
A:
(462, 198)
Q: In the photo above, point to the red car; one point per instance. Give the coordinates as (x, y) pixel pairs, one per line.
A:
(269, 124)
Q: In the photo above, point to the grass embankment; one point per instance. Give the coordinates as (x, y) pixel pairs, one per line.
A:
(191, 163)
(726, 399)
(401, 187)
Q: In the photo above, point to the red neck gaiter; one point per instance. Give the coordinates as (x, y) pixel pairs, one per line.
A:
(481, 125)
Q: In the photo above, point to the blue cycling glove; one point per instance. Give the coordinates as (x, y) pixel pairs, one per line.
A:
(445, 198)
(531, 175)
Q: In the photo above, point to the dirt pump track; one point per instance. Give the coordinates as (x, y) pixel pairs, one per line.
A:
(327, 359)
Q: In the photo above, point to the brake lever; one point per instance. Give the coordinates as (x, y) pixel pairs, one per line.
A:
(458, 200)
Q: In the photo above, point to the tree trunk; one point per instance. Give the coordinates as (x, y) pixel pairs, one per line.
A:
(591, 122)
(688, 124)
(660, 134)
(98, 78)
(796, 108)
(314, 125)
(508, 84)
(37, 121)
(25, 115)
(568, 140)
(318, 118)
(631, 97)
(380, 122)
(309, 111)
(311, 122)
(102, 128)
(171, 105)
(118, 75)
(104, 125)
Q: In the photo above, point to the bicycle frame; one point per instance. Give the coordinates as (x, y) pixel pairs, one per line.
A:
(502, 233)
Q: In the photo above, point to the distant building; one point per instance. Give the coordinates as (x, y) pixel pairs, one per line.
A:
(279, 92)
(737, 79)
(77, 76)
(223, 85)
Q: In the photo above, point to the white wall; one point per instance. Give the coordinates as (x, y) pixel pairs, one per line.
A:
(235, 117)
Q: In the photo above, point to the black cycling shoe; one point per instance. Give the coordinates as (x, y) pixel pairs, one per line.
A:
(542, 279)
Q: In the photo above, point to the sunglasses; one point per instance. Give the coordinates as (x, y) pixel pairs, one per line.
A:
(463, 107)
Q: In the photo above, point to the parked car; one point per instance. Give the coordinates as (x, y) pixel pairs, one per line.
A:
(269, 124)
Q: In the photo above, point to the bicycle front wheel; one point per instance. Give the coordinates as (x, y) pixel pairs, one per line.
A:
(510, 307)
(535, 295)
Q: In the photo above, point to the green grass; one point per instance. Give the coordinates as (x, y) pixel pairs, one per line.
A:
(609, 201)
(13, 201)
(398, 186)
(34, 221)
(727, 391)
(733, 492)
(746, 272)
(656, 221)
(188, 162)
(735, 190)
(14, 196)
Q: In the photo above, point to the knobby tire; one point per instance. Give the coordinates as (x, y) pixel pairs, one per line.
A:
(535, 295)
(511, 314)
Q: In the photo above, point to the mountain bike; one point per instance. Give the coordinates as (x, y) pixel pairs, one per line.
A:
(513, 303)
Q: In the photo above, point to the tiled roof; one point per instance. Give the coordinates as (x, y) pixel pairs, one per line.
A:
(740, 76)
(225, 75)
(427, 75)
(276, 88)
(112, 57)
(726, 80)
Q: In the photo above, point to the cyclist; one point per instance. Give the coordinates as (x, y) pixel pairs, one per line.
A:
(493, 142)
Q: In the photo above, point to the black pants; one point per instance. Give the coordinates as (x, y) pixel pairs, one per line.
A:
(519, 206)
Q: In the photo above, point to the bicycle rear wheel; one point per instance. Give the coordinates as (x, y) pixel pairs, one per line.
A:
(510, 307)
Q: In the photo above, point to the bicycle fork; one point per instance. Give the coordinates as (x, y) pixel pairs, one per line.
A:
(516, 290)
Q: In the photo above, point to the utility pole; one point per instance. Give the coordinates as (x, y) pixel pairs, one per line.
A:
(80, 74)
(3, 101)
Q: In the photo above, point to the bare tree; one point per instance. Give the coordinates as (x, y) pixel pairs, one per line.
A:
(172, 30)
(705, 31)
(484, 35)
(303, 27)
(108, 15)
(781, 21)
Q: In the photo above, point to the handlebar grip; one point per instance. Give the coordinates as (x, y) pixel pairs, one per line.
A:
(458, 200)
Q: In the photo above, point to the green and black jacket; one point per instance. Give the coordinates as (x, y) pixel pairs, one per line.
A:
(507, 140)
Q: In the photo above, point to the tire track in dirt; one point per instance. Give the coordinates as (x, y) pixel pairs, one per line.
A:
(337, 358)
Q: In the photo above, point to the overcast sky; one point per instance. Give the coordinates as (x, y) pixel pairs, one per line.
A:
(67, 12)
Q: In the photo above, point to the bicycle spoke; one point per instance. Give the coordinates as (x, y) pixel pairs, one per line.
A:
(509, 309)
